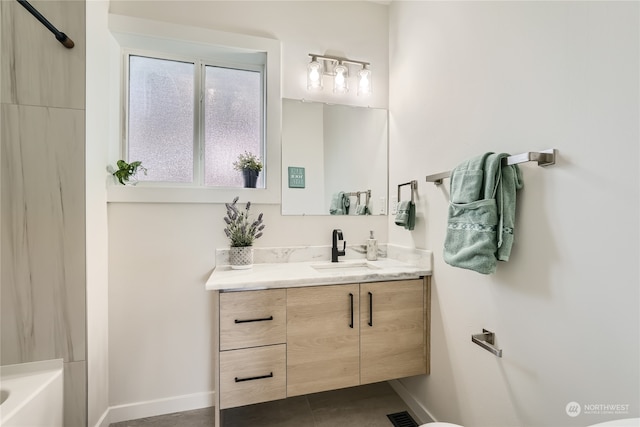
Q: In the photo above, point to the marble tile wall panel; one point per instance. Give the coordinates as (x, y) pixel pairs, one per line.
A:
(418, 257)
(42, 253)
(37, 69)
(298, 254)
(43, 234)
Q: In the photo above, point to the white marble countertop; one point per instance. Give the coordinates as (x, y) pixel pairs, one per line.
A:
(299, 274)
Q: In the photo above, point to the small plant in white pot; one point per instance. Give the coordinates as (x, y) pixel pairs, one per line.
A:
(241, 231)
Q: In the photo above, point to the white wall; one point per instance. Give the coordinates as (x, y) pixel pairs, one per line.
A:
(470, 77)
(466, 78)
(97, 137)
(160, 255)
(354, 29)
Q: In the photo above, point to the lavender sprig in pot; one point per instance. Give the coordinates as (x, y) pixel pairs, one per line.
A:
(241, 231)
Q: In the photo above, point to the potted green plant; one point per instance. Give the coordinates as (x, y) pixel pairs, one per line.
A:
(127, 172)
(241, 231)
(250, 165)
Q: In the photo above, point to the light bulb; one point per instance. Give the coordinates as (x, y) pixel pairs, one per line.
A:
(364, 82)
(340, 79)
(314, 75)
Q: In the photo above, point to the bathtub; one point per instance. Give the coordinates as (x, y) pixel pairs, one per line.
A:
(31, 394)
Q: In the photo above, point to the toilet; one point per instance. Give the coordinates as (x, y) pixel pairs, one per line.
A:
(631, 422)
(627, 422)
(440, 424)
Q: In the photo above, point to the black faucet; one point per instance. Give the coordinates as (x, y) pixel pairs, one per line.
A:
(335, 253)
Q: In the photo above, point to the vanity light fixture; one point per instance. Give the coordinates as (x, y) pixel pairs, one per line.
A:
(338, 68)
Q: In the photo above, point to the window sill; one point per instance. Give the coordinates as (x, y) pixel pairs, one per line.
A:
(155, 194)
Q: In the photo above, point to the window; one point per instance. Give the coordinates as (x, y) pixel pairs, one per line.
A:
(188, 120)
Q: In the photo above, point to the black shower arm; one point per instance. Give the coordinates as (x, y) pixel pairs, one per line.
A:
(60, 36)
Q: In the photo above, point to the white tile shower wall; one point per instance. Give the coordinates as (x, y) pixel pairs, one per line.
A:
(43, 234)
(39, 70)
(43, 223)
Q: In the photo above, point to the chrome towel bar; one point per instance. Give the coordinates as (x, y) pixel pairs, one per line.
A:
(544, 158)
(486, 340)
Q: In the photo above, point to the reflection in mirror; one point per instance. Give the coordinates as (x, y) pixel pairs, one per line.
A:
(330, 153)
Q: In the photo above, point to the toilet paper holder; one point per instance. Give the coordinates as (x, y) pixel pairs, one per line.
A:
(486, 340)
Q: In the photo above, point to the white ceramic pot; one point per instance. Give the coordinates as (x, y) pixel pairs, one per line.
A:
(241, 257)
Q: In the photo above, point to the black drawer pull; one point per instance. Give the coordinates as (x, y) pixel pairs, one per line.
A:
(239, 380)
(370, 309)
(254, 320)
(351, 300)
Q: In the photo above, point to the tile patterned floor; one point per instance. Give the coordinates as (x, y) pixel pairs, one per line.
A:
(364, 406)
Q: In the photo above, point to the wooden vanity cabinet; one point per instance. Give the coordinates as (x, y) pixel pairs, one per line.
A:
(277, 343)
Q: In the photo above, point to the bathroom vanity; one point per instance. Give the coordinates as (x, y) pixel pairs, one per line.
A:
(292, 328)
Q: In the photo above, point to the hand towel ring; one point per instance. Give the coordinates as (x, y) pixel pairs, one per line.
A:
(414, 186)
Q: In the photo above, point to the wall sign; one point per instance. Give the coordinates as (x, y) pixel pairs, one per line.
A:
(296, 177)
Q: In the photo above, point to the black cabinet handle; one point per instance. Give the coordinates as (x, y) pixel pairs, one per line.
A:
(351, 298)
(370, 309)
(239, 380)
(263, 319)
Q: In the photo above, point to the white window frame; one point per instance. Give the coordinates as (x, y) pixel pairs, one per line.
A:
(200, 65)
(184, 43)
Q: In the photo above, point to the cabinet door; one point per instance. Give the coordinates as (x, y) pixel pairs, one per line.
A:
(322, 338)
(392, 330)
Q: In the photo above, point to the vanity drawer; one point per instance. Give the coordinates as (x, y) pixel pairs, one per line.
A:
(252, 318)
(252, 375)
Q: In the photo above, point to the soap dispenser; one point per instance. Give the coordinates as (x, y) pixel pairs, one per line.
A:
(372, 248)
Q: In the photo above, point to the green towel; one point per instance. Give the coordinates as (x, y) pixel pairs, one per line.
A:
(339, 204)
(506, 200)
(362, 210)
(481, 213)
(406, 215)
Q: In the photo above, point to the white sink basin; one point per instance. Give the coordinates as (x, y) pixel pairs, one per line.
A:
(345, 267)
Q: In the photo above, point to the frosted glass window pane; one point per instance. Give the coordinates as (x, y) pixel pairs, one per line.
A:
(161, 122)
(232, 124)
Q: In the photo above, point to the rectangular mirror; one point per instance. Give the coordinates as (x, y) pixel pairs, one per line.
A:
(333, 155)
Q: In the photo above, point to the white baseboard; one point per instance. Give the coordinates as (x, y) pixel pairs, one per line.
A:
(104, 420)
(423, 415)
(151, 408)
